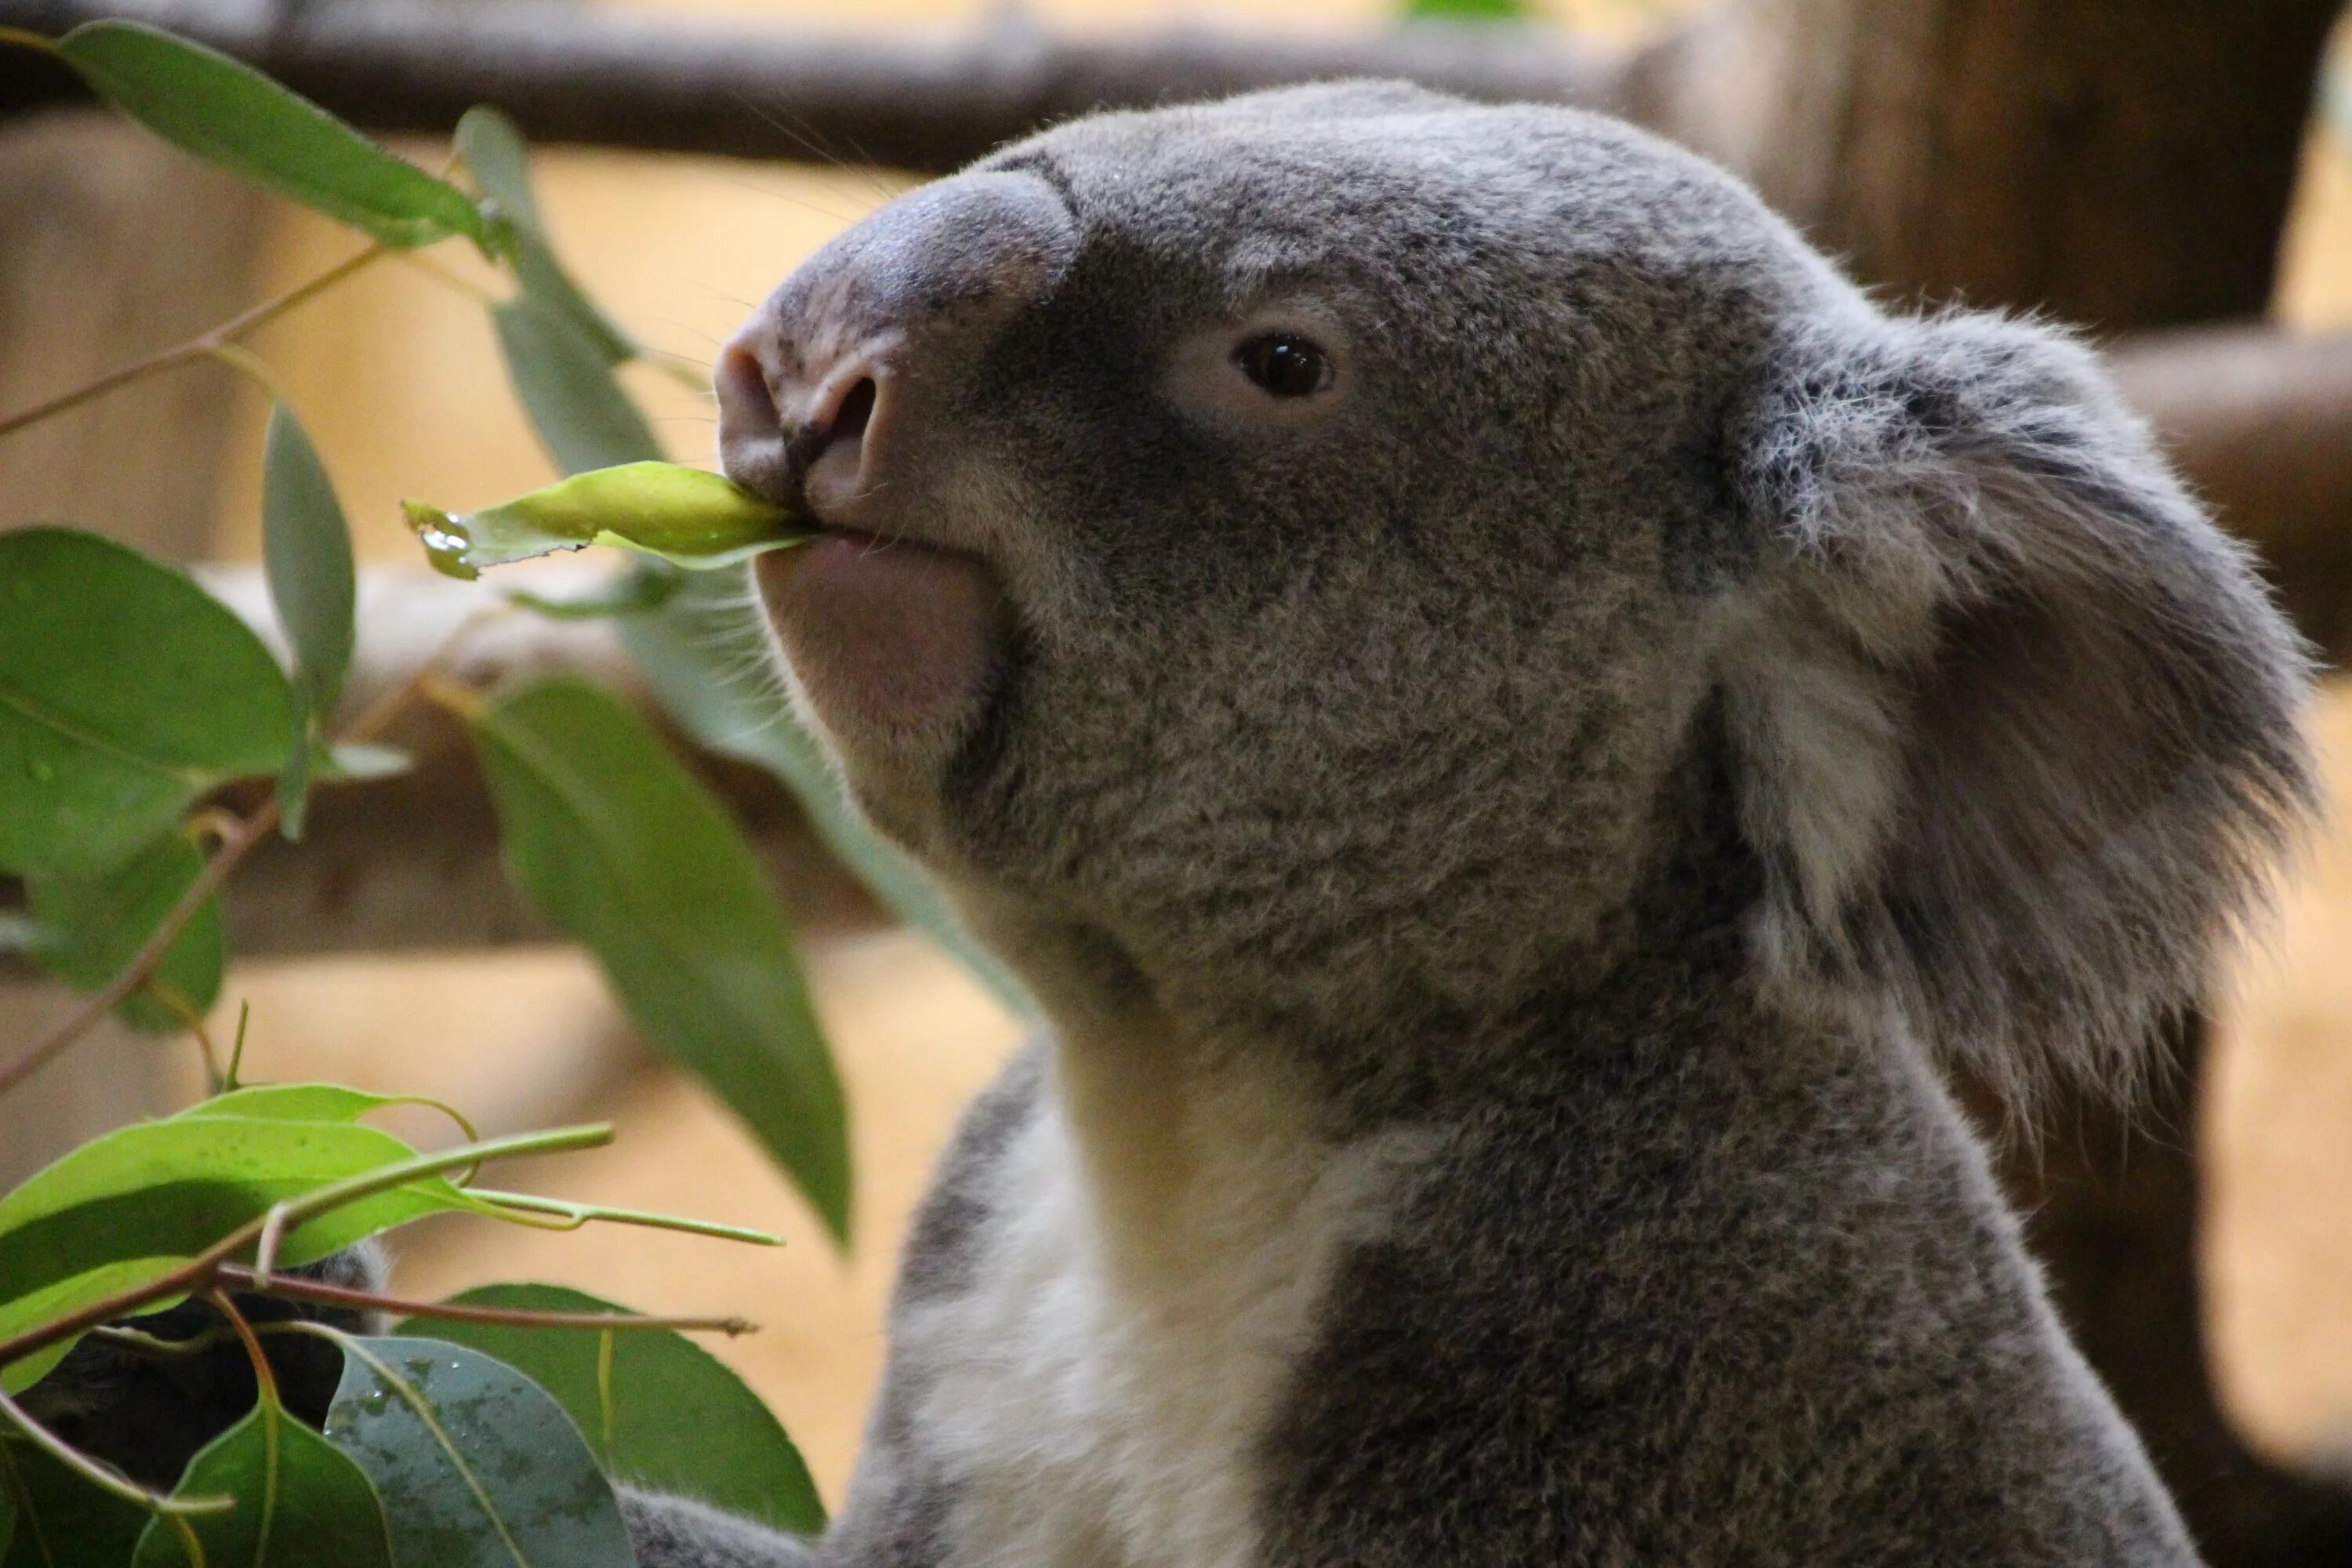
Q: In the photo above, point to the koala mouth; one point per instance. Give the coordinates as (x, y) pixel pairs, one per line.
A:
(892, 639)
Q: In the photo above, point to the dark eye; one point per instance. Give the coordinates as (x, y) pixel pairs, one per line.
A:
(1284, 365)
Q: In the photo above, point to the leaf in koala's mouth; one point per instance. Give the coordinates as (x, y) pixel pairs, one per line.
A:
(686, 516)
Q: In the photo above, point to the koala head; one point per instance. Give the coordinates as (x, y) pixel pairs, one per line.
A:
(1294, 550)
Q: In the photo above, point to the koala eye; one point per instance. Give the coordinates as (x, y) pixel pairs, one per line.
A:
(1284, 364)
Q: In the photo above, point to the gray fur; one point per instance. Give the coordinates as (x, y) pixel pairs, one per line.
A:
(1585, 787)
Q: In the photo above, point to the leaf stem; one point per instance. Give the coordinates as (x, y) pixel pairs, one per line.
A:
(265, 1376)
(204, 344)
(294, 1288)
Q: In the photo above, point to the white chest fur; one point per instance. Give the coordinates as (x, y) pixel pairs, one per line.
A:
(1152, 1270)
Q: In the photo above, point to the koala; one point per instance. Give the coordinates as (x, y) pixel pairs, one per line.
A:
(147, 1416)
(1518, 727)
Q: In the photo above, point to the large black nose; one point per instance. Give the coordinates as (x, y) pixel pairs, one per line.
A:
(844, 381)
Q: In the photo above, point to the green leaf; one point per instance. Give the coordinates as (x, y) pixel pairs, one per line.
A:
(300, 1503)
(583, 416)
(127, 693)
(620, 847)
(62, 1520)
(693, 656)
(647, 586)
(125, 1209)
(687, 517)
(493, 148)
(477, 1467)
(230, 114)
(306, 547)
(655, 1408)
(89, 927)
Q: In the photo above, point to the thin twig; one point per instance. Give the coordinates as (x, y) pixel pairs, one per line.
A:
(204, 345)
(199, 1272)
(293, 1288)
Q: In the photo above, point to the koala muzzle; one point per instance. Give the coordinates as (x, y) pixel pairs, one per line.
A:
(839, 397)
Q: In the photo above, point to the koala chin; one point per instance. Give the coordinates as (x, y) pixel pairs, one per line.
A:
(1517, 726)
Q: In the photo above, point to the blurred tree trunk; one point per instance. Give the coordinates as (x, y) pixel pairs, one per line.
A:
(2118, 164)
(111, 247)
(2115, 162)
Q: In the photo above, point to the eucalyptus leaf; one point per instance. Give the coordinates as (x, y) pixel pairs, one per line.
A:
(692, 655)
(127, 693)
(307, 1103)
(228, 113)
(687, 517)
(620, 847)
(581, 415)
(493, 148)
(88, 928)
(126, 1208)
(300, 1503)
(654, 1408)
(305, 548)
(477, 1466)
(62, 1520)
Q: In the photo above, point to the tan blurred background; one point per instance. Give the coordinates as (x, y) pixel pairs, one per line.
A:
(400, 382)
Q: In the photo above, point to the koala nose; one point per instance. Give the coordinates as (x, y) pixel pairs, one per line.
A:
(838, 393)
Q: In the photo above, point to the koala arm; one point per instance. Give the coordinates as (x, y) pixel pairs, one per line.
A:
(679, 1533)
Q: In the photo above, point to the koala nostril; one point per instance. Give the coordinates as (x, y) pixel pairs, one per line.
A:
(856, 408)
(743, 387)
(834, 438)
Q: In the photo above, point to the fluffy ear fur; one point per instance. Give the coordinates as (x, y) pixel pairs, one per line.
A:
(2021, 730)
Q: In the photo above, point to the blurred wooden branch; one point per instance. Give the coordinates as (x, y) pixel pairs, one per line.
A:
(925, 102)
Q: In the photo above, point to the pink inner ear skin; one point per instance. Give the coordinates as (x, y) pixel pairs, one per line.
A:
(887, 637)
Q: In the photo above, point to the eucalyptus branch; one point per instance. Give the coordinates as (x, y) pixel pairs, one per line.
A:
(292, 1288)
(235, 845)
(200, 1271)
(239, 837)
(208, 344)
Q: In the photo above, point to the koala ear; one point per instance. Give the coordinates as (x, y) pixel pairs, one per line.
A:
(2019, 731)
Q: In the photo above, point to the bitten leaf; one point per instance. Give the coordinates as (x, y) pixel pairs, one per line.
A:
(689, 517)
